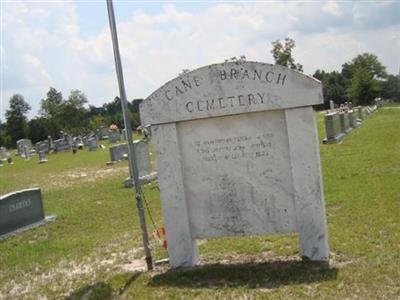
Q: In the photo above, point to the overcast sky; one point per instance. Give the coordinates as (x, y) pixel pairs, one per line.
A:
(67, 44)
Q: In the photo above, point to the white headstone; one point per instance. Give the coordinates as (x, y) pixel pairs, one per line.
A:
(238, 154)
(331, 105)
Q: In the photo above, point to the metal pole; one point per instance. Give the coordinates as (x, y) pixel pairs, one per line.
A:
(131, 155)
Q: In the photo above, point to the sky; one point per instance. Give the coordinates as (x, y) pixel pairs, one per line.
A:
(67, 44)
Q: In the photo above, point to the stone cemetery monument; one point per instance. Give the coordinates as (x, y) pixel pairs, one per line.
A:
(42, 157)
(27, 153)
(92, 144)
(118, 153)
(141, 151)
(61, 145)
(4, 154)
(334, 133)
(42, 146)
(114, 136)
(77, 142)
(102, 133)
(331, 105)
(51, 143)
(20, 211)
(21, 144)
(238, 154)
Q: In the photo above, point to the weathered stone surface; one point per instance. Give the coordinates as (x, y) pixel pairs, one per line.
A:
(21, 209)
(237, 154)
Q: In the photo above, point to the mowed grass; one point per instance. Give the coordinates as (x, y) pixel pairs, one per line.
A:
(93, 250)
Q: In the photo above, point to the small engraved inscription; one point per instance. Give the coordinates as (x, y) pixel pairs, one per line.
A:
(19, 205)
(235, 147)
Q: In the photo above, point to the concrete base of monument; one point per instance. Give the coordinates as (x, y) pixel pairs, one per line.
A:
(335, 140)
(46, 220)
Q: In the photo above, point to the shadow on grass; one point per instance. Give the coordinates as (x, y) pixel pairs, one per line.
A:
(251, 275)
(105, 291)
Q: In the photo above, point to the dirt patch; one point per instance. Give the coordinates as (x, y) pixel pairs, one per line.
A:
(84, 175)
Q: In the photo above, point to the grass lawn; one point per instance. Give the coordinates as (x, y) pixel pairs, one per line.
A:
(93, 249)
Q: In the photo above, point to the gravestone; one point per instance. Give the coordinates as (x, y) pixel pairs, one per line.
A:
(26, 152)
(118, 153)
(21, 144)
(331, 105)
(77, 142)
(114, 136)
(92, 144)
(238, 154)
(141, 150)
(42, 157)
(333, 128)
(21, 210)
(51, 143)
(42, 146)
(360, 113)
(1, 162)
(61, 145)
(4, 154)
(352, 119)
(344, 122)
(102, 133)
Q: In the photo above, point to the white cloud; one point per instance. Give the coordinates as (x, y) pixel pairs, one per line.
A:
(43, 45)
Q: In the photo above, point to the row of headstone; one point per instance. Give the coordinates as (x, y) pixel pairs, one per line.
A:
(20, 211)
(340, 121)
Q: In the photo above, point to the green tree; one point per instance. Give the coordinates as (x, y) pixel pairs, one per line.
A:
(391, 88)
(16, 121)
(368, 62)
(52, 108)
(75, 117)
(97, 121)
(39, 129)
(282, 54)
(363, 88)
(52, 105)
(364, 76)
(5, 139)
(334, 86)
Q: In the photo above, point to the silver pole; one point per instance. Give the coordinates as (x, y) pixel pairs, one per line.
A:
(131, 154)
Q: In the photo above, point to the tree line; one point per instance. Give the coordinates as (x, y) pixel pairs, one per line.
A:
(72, 115)
(360, 81)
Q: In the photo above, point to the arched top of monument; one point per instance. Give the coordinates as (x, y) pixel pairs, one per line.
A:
(227, 89)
